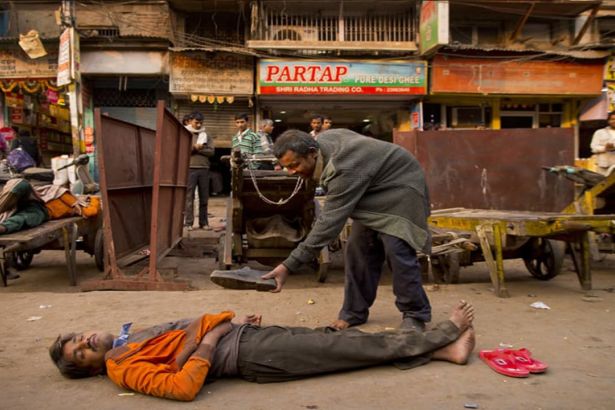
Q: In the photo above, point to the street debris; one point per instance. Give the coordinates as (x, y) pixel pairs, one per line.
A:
(125, 394)
(310, 301)
(540, 305)
(471, 405)
(506, 345)
(33, 318)
(44, 306)
(589, 297)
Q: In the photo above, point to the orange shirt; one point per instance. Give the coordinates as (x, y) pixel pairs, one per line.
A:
(150, 367)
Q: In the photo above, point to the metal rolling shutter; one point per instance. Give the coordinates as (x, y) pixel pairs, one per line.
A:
(219, 119)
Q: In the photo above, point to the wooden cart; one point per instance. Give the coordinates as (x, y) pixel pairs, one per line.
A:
(71, 234)
(539, 238)
(258, 200)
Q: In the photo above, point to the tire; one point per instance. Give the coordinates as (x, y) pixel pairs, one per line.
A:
(99, 250)
(22, 260)
(544, 258)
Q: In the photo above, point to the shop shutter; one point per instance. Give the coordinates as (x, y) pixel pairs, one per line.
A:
(219, 118)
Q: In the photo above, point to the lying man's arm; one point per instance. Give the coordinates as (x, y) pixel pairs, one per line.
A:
(171, 381)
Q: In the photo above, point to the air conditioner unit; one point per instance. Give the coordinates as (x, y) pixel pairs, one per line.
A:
(294, 33)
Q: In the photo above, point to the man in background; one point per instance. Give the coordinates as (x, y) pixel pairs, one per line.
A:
(603, 145)
(202, 150)
(316, 125)
(246, 140)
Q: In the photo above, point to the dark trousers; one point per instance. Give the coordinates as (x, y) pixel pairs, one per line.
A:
(276, 354)
(198, 178)
(366, 251)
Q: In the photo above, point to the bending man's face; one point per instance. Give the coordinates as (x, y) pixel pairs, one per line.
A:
(88, 349)
(299, 165)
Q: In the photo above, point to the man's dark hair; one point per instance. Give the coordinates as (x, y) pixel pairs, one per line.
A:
(317, 117)
(326, 117)
(301, 143)
(196, 115)
(67, 368)
(186, 118)
(242, 116)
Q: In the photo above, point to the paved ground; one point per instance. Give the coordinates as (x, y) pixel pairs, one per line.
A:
(576, 338)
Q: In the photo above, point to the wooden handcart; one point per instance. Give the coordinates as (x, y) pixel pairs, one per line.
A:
(268, 213)
(539, 238)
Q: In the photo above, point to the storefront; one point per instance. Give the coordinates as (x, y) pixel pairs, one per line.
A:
(366, 96)
(32, 102)
(476, 93)
(219, 85)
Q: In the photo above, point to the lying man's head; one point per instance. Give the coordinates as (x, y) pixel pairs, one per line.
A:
(79, 355)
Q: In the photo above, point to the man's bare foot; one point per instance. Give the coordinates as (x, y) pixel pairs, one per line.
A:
(459, 351)
(340, 324)
(462, 315)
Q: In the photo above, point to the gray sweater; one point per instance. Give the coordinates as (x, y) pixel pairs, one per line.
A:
(376, 183)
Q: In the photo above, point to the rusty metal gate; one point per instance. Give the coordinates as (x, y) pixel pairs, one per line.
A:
(143, 179)
(494, 169)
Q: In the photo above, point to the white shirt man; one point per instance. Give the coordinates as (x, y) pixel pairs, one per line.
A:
(603, 145)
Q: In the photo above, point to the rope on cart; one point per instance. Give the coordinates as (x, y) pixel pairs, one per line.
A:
(280, 201)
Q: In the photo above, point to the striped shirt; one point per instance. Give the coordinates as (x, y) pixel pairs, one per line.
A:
(248, 142)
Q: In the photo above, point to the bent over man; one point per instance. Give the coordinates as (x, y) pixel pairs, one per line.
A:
(382, 188)
(173, 360)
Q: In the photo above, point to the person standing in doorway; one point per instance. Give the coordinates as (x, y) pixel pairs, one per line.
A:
(202, 150)
(316, 125)
(603, 145)
(266, 143)
(327, 123)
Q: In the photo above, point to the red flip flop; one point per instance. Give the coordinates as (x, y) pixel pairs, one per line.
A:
(503, 363)
(523, 357)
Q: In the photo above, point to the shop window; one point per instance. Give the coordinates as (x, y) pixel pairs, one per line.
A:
(536, 32)
(468, 117)
(474, 34)
(550, 115)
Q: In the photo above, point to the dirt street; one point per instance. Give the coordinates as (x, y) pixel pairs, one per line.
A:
(576, 337)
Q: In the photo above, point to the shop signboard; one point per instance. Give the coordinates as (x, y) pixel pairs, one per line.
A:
(314, 77)
(433, 25)
(209, 73)
(15, 64)
(481, 76)
(64, 64)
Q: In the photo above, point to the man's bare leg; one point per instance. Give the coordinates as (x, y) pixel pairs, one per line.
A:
(459, 351)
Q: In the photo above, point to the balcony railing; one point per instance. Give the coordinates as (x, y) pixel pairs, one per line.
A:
(278, 30)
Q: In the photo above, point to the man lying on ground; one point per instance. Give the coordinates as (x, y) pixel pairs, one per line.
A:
(174, 359)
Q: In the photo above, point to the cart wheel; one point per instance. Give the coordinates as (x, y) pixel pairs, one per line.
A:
(544, 258)
(99, 250)
(23, 259)
(220, 254)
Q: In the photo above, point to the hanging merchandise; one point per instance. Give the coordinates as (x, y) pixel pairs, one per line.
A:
(202, 98)
(230, 99)
(211, 99)
(220, 99)
(194, 97)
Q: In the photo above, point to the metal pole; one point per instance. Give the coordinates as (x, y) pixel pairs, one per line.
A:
(74, 88)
